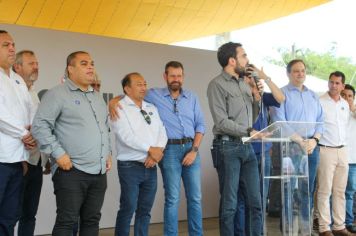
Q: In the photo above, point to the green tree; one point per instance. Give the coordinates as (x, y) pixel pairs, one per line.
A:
(319, 64)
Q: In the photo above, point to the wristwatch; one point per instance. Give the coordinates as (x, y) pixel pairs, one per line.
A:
(249, 130)
(195, 149)
(316, 140)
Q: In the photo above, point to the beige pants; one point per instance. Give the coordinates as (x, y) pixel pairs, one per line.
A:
(332, 179)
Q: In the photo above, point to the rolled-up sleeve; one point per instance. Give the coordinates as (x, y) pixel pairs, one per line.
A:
(198, 117)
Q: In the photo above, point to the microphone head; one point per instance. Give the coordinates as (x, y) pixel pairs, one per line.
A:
(254, 74)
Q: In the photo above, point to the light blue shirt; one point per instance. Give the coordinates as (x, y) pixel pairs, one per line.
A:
(299, 106)
(184, 121)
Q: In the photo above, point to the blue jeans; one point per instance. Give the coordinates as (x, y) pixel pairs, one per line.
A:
(237, 169)
(30, 200)
(313, 162)
(349, 194)
(172, 173)
(138, 191)
(264, 187)
(11, 181)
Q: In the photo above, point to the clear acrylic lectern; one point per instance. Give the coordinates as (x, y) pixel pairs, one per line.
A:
(288, 178)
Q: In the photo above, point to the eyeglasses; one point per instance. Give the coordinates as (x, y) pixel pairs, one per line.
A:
(146, 116)
(175, 109)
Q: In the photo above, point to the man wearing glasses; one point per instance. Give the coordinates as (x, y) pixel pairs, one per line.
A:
(140, 140)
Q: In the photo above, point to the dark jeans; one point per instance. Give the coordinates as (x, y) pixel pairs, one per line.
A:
(30, 200)
(11, 182)
(238, 171)
(138, 191)
(242, 212)
(78, 194)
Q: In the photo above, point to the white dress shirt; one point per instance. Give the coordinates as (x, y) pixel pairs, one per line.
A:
(133, 135)
(35, 153)
(16, 113)
(336, 118)
(351, 138)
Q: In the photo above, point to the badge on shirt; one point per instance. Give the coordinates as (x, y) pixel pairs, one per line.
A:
(77, 102)
(150, 113)
(18, 82)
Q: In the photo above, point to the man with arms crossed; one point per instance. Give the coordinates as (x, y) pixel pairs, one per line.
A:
(231, 102)
(333, 166)
(140, 140)
(71, 125)
(16, 113)
(26, 65)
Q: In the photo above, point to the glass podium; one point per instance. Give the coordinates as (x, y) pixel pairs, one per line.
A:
(288, 180)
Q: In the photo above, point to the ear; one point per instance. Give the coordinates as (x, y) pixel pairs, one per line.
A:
(232, 61)
(17, 67)
(127, 89)
(165, 76)
(70, 69)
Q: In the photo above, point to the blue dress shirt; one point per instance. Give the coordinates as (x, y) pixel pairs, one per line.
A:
(299, 106)
(183, 117)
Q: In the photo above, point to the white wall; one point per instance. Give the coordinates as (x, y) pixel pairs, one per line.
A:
(113, 59)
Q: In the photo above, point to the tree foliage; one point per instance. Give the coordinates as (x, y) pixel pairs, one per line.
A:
(319, 64)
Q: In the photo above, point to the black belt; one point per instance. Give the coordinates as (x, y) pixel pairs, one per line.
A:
(180, 141)
(337, 147)
(225, 137)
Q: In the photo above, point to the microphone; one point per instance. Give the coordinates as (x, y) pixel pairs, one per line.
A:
(255, 77)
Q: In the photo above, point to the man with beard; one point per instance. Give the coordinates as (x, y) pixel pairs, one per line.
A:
(26, 65)
(182, 116)
(16, 112)
(232, 101)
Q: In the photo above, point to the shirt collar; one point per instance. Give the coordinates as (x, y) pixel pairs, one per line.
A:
(290, 86)
(10, 74)
(129, 102)
(327, 96)
(72, 86)
(227, 76)
(166, 93)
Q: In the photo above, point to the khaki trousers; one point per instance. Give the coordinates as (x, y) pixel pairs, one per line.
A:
(332, 180)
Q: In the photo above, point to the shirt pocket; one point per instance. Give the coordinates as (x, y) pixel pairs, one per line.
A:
(234, 103)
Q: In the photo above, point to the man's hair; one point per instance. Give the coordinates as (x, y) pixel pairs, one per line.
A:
(174, 64)
(338, 74)
(350, 87)
(19, 57)
(227, 51)
(292, 63)
(126, 81)
(70, 59)
(3, 32)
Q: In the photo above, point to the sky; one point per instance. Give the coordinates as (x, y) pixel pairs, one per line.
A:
(316, 29)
